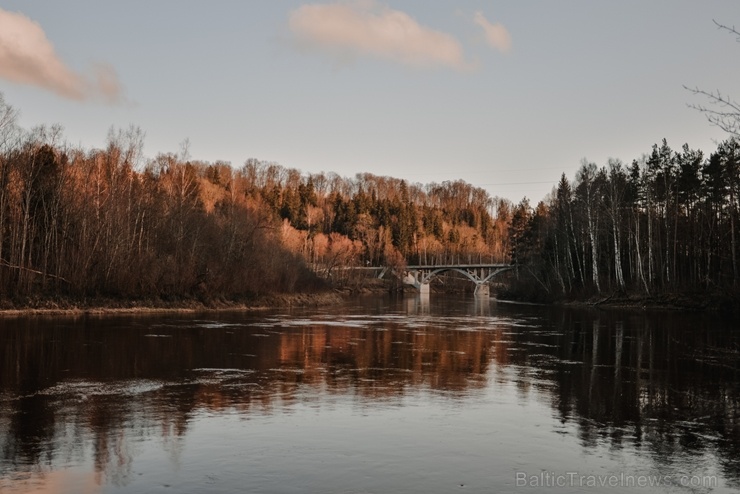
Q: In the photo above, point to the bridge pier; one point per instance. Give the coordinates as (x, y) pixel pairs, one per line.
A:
(424, 289)
(482, 290)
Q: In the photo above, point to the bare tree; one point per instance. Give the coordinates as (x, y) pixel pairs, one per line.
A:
(8, 131)
(721, 110)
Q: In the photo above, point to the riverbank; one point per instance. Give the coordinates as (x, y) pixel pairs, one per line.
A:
(108, 306)
(724, 303)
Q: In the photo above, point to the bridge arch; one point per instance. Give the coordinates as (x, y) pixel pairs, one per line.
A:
(480, 274)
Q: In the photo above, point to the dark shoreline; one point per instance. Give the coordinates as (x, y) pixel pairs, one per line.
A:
(724, 304)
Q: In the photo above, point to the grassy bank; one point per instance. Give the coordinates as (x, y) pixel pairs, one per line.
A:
(105, 306)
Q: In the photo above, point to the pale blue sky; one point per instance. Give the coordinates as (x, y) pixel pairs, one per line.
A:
(591, 79)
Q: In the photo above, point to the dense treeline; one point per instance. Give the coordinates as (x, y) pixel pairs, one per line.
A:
(665, 223)
(102, 223)
(108, 222)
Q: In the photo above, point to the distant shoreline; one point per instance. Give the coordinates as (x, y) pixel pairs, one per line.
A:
(725, 305)
(122, 307)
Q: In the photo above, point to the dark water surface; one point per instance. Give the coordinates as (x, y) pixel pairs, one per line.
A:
(378, 396)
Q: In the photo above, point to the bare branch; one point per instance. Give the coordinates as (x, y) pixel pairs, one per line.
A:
(730, 30)
(5, 263)
(722, 111)
(8, 118)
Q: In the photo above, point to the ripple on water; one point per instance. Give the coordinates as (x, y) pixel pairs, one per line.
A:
(96, 388)
(216, 325)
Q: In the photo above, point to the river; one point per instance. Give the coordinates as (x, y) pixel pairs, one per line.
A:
(376, 396)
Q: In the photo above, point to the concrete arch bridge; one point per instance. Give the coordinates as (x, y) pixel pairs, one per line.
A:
(481, 274)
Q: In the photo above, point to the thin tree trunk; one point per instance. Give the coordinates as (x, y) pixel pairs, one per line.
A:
(640, 271)
(650, 241)
(617, 254)
(594, 246)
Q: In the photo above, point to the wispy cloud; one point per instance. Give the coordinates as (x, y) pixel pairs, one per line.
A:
(28, 57)
(497, 36)
(364, 28)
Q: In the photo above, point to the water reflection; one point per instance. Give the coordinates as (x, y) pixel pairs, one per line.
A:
(96, 390)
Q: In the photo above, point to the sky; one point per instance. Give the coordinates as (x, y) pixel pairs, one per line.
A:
(505, 95)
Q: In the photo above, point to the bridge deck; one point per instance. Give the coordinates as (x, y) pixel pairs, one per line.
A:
(459, 266)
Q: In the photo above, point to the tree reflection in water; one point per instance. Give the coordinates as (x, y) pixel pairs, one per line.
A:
(663, 384)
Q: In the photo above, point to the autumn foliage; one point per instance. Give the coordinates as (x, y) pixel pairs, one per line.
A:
(112, 223)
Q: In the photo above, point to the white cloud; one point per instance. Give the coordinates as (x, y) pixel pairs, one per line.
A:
(497, 36)
(346, 30)
(28, 57)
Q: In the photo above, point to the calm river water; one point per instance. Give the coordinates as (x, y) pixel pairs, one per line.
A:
(377, 396)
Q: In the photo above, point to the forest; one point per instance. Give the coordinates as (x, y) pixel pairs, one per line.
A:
(111, 223)
(666, 223)
(86, 223)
